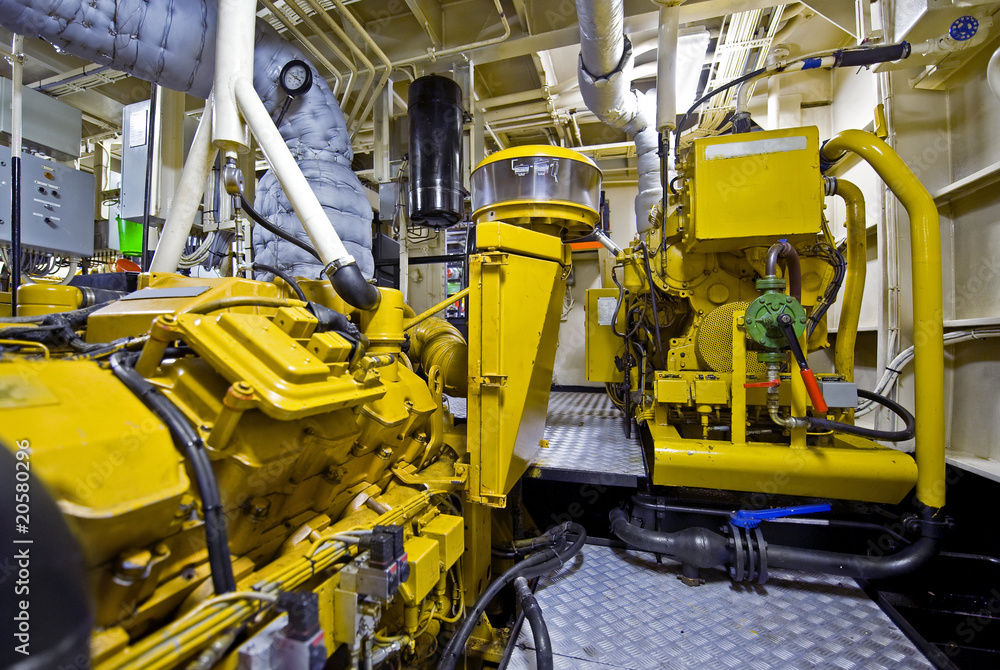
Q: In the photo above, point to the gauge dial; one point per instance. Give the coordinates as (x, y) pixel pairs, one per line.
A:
(296, 77)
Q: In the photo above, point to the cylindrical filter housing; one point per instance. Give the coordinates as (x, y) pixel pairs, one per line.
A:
(434, 107)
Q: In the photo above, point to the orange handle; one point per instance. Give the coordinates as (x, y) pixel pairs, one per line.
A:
(814, 393)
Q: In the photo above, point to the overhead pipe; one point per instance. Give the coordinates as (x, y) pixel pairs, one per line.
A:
(605, 75)
(433, 54)
(316, 53)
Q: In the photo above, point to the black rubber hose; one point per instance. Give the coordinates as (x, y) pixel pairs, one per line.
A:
(267, 225)
(817, 424)
(76, 317)
(352, 286)
(652, 295)
(284, 276)
(187, 439)
(535, 565)
(539, 631)
(699, 547)
(872, 55)
(704, 548)
(865, 567)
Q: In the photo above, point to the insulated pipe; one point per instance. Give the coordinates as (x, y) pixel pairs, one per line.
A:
(602, 35)
(854, 282)
(184, 206)
(993, 73)
(925, 251)
(605, 76)
(666, 69)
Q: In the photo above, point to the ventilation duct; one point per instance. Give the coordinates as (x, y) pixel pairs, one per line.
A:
(605, 74)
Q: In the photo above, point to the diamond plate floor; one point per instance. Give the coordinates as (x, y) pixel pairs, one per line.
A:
(614, 608)
(587, 442)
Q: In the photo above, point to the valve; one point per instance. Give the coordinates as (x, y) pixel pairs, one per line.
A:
(747, 518)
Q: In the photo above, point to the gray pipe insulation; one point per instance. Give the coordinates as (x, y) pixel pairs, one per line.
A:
(605, 75)
(172, 42)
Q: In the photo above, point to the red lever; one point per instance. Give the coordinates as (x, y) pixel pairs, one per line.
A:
(819, 404)
(773, 382)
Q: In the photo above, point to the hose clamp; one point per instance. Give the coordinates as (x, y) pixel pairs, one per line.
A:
(335, 265)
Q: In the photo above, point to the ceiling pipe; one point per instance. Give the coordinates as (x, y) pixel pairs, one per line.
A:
(605, 76)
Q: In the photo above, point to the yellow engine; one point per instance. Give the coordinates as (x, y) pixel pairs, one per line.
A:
(714, 314)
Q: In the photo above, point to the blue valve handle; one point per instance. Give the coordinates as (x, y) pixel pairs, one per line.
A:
(747, 518)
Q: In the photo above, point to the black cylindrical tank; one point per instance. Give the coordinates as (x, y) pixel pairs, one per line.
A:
(434, 106)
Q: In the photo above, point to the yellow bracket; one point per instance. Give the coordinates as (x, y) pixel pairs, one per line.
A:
(408, 475)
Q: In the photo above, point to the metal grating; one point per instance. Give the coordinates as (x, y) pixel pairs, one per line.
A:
(587, 443)
(615, 608)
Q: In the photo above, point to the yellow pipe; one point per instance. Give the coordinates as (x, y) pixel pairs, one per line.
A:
(928, 329)
(854, 283)
(436, 308)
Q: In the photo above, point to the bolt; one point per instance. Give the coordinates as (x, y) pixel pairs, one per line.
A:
(242, 388)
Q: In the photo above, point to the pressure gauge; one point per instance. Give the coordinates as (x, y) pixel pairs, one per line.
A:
(296, 77)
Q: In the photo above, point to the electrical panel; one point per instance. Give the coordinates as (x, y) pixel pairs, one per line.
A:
(135, 131)
(57, 206)
(49, 126)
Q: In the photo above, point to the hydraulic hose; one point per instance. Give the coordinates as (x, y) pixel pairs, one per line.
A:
(275, 230)
(284, 276)
(535, 565)
(539, 631)
(817, 424)
(187, 440)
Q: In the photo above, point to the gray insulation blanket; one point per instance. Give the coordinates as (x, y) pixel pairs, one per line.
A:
(172, 42)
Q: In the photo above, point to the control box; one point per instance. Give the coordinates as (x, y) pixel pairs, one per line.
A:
(57, 206)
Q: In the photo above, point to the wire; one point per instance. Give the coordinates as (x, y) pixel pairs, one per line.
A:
(283, 234)
(284, 276)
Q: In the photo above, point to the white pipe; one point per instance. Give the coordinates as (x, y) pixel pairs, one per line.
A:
(993, 73)
(666, 69)
(307, 207)
(233, 62)
(184, 206)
